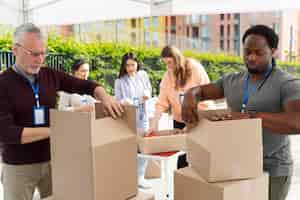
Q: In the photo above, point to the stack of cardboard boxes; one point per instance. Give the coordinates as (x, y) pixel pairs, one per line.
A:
(225, 162)
(93, 157)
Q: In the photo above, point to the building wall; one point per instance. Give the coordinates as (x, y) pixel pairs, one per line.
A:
(220, 33)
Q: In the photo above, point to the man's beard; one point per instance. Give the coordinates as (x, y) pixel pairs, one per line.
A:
(253, 71)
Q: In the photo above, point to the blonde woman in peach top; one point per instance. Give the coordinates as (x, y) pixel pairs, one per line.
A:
(181, 75)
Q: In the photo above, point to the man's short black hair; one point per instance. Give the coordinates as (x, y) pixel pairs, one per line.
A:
(264, 31)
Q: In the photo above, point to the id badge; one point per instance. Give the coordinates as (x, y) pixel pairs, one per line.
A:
(39, 115)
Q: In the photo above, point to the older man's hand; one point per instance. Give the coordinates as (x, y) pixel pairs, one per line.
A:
(111, 106)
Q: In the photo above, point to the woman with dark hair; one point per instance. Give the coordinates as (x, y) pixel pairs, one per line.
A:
(75, 102)
(182, 74)
(133, 84)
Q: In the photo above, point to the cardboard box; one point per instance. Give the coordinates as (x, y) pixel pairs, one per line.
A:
(226, 150)
(143, 196)
(190, 185)
(153, 169)
(92, 158)
(162, 143)
(165, 141)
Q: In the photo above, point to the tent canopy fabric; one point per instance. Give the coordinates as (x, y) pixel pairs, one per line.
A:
(50, 12)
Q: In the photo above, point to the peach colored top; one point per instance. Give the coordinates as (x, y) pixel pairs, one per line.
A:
(169, 96)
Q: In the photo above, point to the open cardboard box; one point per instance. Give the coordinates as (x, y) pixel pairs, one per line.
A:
(93, 156)
(162, 141)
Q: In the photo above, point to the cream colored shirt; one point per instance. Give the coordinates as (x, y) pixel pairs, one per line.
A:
(169, 96)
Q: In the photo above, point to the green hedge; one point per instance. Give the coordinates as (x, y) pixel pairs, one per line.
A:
(106, 70)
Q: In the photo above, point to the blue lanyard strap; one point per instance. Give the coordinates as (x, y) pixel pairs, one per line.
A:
(246, 95)
(252, 90)
(35, 89)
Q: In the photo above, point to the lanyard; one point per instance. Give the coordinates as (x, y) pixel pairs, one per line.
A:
(34, 87)
(252, 90)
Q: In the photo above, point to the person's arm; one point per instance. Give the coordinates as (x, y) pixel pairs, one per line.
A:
(201, 78)
(73, 85)
(34, 134)
(118, 90)
(11, 133)
(148, 88)
(193, 96)
(113, 107)
(287, 121)
(163, 102)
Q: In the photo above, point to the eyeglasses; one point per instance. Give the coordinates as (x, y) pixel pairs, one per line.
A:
(32, 53)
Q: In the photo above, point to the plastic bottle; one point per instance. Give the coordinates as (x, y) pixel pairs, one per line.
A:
(142, 121)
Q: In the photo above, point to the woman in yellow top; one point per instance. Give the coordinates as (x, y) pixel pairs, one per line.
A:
(181, 75)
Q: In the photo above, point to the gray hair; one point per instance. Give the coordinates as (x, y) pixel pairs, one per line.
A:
(27, 28)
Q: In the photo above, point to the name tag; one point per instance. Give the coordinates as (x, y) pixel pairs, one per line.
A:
(39, 115)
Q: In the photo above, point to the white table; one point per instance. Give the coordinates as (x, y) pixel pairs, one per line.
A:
(168, 166)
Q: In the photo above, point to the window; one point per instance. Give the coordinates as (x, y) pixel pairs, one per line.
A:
(173, 21)
(222, 16)
(195, 32)
(155, 22)
(228, 30)
(119, 25)
(236, 31)
(237, 47)
(147, 38)
(205, 44)
(236, 16)
(228, 45)
(146, 22)
(222, 45)
(222, 31)
(187, 31)
(228, 16)
(195, 19)
(133, 23)
(133, 38)
(107, 25)
(155, 39)
(204, 19)
(205, 31)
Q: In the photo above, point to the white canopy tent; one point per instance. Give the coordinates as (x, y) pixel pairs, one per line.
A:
(49, 12)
